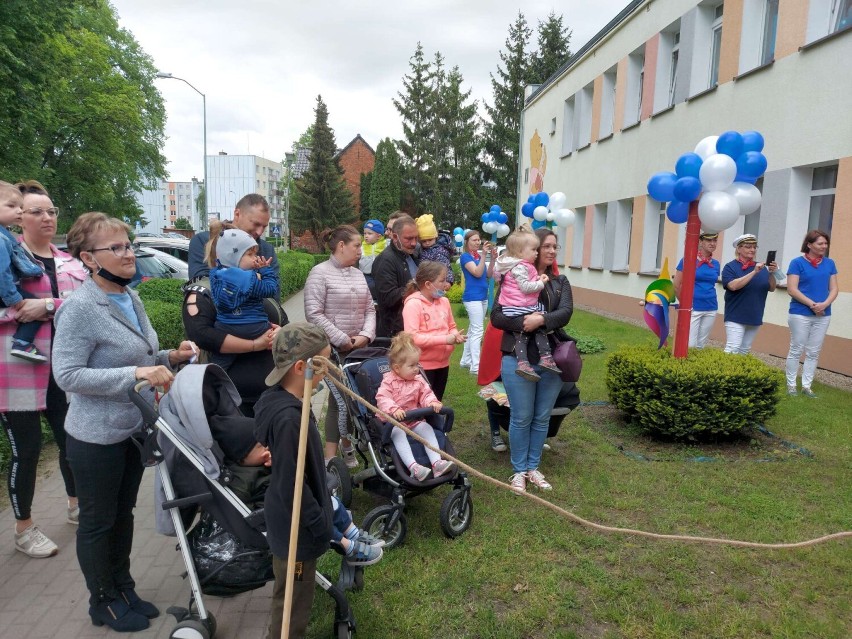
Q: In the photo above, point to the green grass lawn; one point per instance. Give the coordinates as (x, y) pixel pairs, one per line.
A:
(522, 572)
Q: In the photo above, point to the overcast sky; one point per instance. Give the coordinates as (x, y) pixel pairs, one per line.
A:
(261, 63)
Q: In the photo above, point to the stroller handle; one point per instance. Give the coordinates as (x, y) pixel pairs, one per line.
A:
(149, 413)
(423, 413)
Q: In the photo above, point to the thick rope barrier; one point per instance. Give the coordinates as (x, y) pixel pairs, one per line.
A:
(334, 374)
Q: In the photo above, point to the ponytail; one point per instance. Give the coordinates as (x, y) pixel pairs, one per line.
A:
(217, 227)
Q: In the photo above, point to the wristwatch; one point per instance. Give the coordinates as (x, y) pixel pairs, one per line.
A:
(49, 305)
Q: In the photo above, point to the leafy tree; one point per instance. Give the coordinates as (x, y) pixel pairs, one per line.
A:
(502, 128)
(183, 224)
(323, 201)
(201, 205)
(554, 41)
(414, 105)
(364, 192)
(78, 107)
(386, 185)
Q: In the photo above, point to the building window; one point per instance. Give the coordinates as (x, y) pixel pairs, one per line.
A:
(673, 67)
(568, 139)
(823, 189)
(841, 14)
(635, 80)
(584, 115)
(579, 236)
(607, 103)
(770, 29)
(652, 236)
(715, 44)
(599, 235)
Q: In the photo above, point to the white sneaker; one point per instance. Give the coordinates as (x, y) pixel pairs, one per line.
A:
(34, 543)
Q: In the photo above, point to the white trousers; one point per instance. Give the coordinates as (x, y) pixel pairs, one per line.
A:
(738, 337)
(807, 333)
(400, 442)
(473, 345)
(699, 327)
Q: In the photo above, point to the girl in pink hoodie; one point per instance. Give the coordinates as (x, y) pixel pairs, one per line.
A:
(403, 389)
(427, 315)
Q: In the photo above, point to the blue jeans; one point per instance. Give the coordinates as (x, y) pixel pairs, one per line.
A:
(340, 519)
(530, 404)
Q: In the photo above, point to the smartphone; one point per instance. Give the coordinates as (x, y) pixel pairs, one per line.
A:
(770, 257)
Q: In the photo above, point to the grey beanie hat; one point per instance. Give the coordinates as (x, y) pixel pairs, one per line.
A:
(232, 244)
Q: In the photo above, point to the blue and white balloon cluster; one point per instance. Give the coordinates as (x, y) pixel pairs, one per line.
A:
(543, 208)
(495, 221)
(721, 172)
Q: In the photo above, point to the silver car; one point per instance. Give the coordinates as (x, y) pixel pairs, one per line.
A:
(179, 268)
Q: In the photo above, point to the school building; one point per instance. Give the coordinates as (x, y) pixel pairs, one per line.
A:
(662, 75)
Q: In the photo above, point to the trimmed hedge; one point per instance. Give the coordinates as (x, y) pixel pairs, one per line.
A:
(167, 320)
(294, 267)
(708, 395)
(162, 290)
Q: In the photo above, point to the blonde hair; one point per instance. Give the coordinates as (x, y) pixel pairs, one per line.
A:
(11, 188)
(216, 229)
(402, 348)
(88, 225)
(426, 272)
(519, 240)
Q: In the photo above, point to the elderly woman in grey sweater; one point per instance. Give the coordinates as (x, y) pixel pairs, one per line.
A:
(338, 300)
(104, 342)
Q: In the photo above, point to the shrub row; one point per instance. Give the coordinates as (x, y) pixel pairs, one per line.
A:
(708, 395)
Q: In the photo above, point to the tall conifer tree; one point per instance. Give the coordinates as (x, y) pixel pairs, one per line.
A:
(386, 183)
(554, 40)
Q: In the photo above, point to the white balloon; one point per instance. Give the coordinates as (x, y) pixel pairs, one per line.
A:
(490, 227)
(557, 201)
(717, 210)
(707, 146)
(459, 237)
(540, 213)
(564, 218)
(747, 196)
(717, 172)
(504, 230)
(551, 216)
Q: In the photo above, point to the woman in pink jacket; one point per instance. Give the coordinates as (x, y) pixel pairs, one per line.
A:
(427, 315)
(338, 300)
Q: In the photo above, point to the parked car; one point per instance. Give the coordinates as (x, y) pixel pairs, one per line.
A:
(178, 266)
(172, 235)
(146, 234)
(175, 248)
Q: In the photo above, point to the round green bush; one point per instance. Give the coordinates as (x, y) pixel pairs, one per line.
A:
(162, 290)
(706, 396)
(455, 294)
(167, 320)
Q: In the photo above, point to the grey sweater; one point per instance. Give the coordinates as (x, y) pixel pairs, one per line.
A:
(96, 352)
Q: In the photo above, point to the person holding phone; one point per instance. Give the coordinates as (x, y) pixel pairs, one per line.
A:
(746, 284)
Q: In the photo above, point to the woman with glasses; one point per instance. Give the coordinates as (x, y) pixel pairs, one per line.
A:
(477, 268)
(105, 343)
(746, 283)
(28, 391)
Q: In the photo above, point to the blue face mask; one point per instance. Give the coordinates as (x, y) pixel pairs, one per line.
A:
(438, 294)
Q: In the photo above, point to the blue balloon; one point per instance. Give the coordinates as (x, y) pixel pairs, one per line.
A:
(687, 189)
(677, 211)
(752, 141)
(661, 186)
(502, 218)
(744, 178)
(730, 143)
(688, 165)
(527, 209)
(541, 199)
(495, 208)
(538, 224)
(531, 199)
(485, 217)
(458, 231)
(751, 164)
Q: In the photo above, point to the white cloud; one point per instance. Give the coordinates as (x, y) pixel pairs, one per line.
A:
(261, 63)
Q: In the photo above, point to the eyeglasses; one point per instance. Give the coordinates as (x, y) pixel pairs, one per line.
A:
(52, 212)
(119, 250)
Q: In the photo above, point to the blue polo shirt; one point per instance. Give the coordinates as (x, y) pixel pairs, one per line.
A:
(746, 305)
(475, 288)
(813, 282)
(704, 297)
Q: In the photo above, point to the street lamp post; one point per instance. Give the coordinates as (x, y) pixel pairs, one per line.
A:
(169, 76)
(290, 158)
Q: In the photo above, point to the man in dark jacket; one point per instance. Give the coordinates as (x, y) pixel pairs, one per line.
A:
(393, 269)
(278, 416)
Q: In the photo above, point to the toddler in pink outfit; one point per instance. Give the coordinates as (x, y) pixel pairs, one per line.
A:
(519, 291)
(404, 389)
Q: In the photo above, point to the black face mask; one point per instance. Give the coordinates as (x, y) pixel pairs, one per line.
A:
(112, 277)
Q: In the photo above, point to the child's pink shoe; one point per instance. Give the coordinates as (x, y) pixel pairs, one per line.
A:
(418, 472)
(442, 467)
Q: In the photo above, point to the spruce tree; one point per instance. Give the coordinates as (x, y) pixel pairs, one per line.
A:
(386, 183)
(554, 41)
(502, 128)
(323, 201)
(364, 191)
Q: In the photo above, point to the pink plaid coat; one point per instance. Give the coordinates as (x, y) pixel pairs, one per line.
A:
(23, 386)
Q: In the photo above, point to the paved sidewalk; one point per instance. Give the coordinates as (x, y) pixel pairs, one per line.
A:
(48, 597)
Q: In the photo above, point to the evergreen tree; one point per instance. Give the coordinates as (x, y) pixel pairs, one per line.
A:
(364, 192)
(414, 104)
(502, 128)
(323, 201)
(386, 183)
(554, 41)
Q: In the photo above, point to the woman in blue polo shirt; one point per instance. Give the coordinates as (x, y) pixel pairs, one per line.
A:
(812, 283)
(746, 286)
(475, 296)
(704, 302)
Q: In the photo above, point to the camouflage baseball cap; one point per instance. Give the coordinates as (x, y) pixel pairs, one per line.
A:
(295, 341)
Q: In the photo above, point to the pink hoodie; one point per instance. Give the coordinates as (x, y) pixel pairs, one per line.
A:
(429, 322)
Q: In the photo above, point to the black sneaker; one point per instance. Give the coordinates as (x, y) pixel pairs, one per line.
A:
(497, 444)
(27, 351)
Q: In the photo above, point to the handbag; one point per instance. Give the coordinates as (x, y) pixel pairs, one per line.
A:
(567, 358)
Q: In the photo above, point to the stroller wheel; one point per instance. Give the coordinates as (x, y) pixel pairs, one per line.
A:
(191, 629)
(342, 630)
(340, 473)
(456, 513)
(387, 522)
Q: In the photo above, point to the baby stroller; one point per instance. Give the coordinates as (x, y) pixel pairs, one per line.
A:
(384, 473)
(192, 477)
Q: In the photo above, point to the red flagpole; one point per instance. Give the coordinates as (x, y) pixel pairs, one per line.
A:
(687, 287)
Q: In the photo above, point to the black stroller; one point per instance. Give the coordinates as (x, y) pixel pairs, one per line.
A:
(192, 478)
(384, 473)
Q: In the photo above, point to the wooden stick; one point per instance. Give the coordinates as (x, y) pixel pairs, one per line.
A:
(297, 500)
